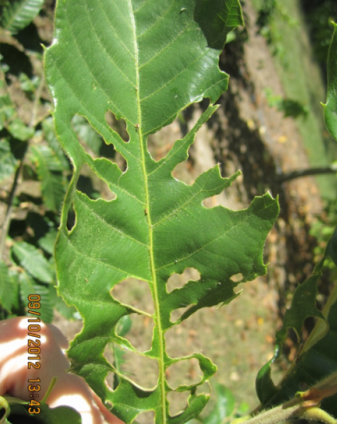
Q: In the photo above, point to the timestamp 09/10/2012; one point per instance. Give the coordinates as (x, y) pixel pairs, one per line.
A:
(34, 350)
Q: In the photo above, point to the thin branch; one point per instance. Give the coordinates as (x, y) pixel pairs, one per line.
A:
(295, 408)
(332, 169)
(6, 223)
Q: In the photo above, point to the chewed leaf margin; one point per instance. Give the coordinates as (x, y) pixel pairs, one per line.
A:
(145, 61)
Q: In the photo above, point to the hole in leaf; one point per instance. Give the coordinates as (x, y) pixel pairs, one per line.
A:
(161, 142)
(177, 402)
(92, 142)
(118, 125)
(140, 369)
(147, 417)
(115, 356)
(236, 278)
(94, 187)
(140, 335)
(71, 219)
(177, 281)
(184, 372)
(184, 171)
(184, 339)
(135, 293)
(211, 202)
(177, 313)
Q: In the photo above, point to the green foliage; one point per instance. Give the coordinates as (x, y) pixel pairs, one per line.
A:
(157, 225)
(28, 152)
(318, 14)
(330, 108)
(316, 357)
(17, 14)
(289, 107)
(18, 413)
(269, 13)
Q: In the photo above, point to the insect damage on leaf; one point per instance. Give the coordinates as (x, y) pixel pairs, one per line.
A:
(147, 62)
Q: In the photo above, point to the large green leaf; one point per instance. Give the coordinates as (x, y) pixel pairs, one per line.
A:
(17, 14)
(145, 61)
(330, 108)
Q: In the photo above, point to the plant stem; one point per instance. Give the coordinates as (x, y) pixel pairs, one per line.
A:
(291, 409)
(332, 169)
(5, 225)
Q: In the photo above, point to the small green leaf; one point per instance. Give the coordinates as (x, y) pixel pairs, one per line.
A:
(28, 85)
(33, 261)
(8, 162)
(7, 288)
(49, 170)
(7, 109)
(313, 364)
(27, 287)
(316, 358)
(303, 306)
(330, 108)
(47, 242)
(87, 134)
(50, 137)
(4, 406)
(224, 407)
(17, 14)
(47, 415)
(19, 130)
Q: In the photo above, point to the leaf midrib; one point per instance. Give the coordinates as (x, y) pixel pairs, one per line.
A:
(161, 359)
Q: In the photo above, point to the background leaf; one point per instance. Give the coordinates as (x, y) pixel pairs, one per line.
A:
(27, 287)
(313, 364)
(8, 162)
(7, 109)
(7, 288)
(316, 358)
(145, 62)
(330, 108)
(224, 407)
(17, 14)
(32, 260)
(49, 170)
(61, 414)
